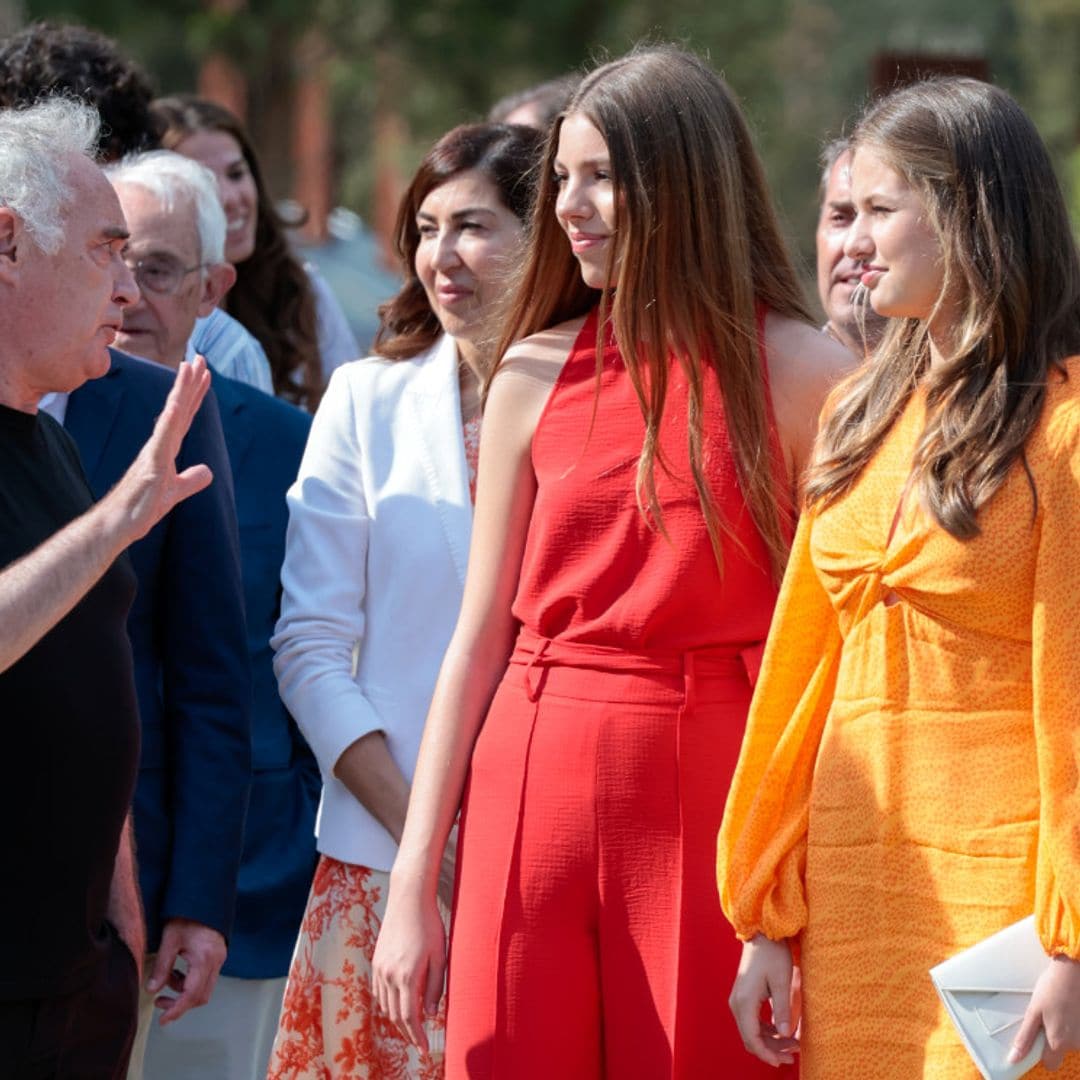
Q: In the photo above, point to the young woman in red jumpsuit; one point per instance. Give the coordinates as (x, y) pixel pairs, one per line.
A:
(631, 522)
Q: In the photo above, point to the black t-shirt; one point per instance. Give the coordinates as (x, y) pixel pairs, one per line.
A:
(69, 731)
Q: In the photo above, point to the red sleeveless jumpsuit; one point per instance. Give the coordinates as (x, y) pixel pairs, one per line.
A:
(587, 937)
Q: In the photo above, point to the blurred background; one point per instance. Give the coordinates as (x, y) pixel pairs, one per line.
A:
(344, 96)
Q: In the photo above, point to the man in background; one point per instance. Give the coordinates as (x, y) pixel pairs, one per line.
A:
(176, 248)
(843, 300)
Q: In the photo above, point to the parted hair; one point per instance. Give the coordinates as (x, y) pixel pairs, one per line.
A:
(509, 156)
(1011, 274)
(272, 297)
(697, 247)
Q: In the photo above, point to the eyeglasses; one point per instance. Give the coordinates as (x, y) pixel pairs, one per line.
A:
(161, 274)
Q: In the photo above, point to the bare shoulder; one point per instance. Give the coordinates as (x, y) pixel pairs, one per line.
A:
(804, 366)
(541, 356)
(527, 374)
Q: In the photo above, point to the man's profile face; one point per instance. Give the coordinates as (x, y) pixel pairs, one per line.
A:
(165, 244)
(837, 275)
(75, 299)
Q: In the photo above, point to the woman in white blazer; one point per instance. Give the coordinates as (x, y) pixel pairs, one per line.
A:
(379, 523)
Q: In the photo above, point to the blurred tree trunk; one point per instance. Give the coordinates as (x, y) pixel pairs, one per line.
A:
(313, 140)
(390, 144)
(220, 77)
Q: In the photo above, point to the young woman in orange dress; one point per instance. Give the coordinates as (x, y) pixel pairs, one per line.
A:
(910, 779)
(637, 468)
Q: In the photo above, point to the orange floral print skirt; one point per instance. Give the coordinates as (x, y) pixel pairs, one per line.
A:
(330, 1026)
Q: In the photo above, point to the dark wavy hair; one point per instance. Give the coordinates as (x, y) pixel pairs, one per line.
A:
(46, 59)
(509, 156)
(272, 296)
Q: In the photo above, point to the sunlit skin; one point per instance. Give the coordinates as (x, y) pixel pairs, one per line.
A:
(468, 242)
(157, 326)
(585, 206)
(78, 294)
(223, 156)
(899, 250)
(837, 274)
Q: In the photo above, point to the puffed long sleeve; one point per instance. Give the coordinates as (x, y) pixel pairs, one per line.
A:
(1056, 703)
(761, 850)
(323, 580)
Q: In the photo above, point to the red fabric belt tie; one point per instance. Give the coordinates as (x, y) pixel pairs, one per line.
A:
(538, 654)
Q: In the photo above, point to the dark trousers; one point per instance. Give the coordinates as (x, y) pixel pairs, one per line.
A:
(86, 1035)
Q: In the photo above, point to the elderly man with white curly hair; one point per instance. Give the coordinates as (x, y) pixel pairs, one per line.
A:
(72, 933)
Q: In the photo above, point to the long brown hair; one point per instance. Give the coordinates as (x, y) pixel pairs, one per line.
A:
(508, 155)
(697, 246)
(272, 296)
(1011, 269)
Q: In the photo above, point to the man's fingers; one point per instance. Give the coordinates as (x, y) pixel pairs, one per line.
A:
(163, 965)
(186, 395)
(195, 989)
(192, 480)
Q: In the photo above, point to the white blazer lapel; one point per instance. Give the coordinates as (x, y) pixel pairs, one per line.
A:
(435, 398)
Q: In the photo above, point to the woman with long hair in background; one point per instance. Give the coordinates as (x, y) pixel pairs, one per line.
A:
(281, 300)
(909, 780)
(641, 449)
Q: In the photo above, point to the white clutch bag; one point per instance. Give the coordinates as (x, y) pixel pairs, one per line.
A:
(986, 990)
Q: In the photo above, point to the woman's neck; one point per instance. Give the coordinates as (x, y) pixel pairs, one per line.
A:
(942, 333)
(473, 364)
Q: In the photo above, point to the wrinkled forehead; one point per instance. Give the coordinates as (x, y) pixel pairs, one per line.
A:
(92, 206)
(156, 219)
(838, 188)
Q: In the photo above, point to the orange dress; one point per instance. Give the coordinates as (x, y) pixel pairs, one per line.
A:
(909, 781)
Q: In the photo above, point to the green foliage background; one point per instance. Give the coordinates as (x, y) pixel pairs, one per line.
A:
(801, 67)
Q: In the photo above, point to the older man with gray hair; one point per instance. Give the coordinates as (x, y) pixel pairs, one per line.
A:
(176, 250)
(72, 936)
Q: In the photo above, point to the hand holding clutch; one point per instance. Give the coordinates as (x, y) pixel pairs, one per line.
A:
(988, 991)
(1054, 1011)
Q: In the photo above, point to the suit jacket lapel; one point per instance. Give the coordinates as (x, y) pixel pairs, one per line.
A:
(92, 410)
(434, 396)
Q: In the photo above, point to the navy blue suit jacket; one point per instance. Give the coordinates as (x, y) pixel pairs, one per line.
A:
(265, 438)
(188, 637)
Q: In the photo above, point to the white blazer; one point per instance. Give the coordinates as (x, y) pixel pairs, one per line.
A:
(379, 525)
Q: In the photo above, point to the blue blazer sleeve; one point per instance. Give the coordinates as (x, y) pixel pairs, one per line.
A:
(206, 689)
(188, 639)
(265, 439)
